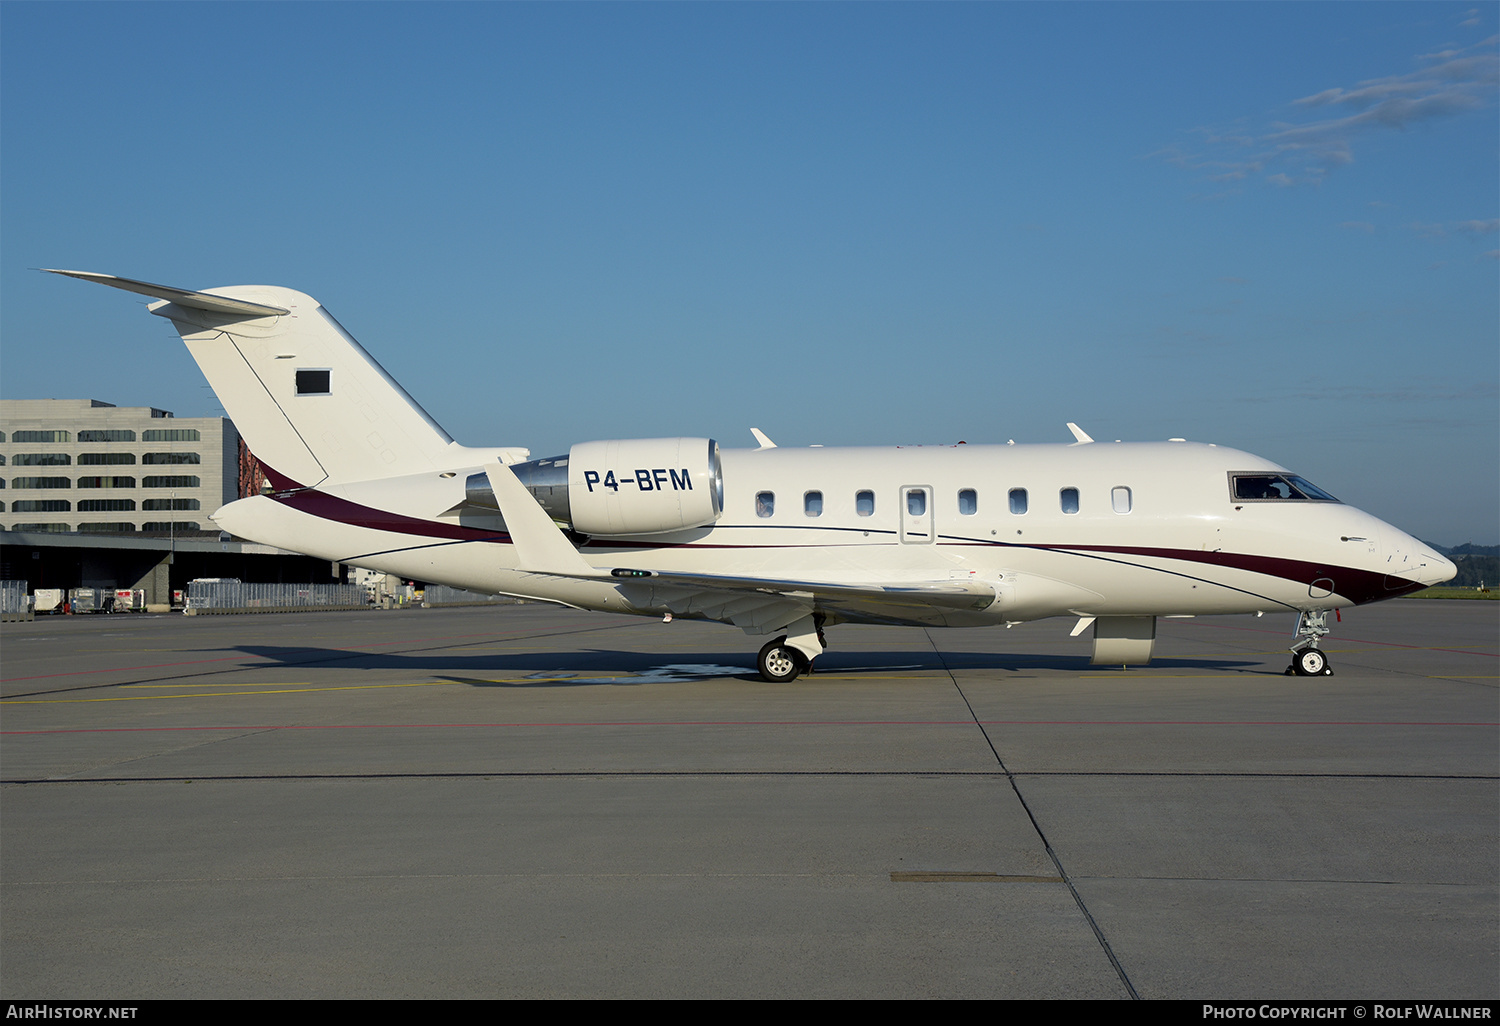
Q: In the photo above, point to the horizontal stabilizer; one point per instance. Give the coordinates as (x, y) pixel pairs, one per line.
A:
(182, 297)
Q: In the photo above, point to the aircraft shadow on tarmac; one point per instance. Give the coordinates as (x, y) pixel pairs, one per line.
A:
(620, 667)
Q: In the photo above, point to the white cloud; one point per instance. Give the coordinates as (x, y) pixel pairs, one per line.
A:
(1453, 82)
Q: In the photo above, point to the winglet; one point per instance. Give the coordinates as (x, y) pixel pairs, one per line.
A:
(540, 546)
(1078, 433)
(760, 436)
(182, 297)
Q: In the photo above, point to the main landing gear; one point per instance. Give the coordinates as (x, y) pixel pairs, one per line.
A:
(781, 662)
(1308, 660)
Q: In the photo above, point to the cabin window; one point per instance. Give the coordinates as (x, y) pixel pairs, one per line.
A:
(1018, 500)
(765, 503)
(812, 504)
(968, 502)
(1069, 500)
(864, 503)
(1119, 498)
(313, 382)
(916, 502)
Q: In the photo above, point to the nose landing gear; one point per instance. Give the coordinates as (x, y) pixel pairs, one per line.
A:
(1308, 660)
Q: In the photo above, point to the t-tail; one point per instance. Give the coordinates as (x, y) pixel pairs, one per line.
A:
(310, 403)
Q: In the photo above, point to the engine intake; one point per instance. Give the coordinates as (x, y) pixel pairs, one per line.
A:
(624, 487)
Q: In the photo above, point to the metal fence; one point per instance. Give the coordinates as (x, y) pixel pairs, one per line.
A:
(235, 595)
(13, 603)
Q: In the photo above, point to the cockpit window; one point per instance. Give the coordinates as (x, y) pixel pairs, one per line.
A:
(1275, 488)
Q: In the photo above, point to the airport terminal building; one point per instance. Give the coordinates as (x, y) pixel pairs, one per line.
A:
(100, 496)
(89, 467)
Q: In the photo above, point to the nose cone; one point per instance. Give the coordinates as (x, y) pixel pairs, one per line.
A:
(1434, 569)
(1413, 560)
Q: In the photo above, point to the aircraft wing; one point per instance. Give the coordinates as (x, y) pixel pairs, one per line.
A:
(921, 594)
(762, 604)
(757, 604)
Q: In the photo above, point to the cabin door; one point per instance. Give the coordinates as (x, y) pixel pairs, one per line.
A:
(916, 515)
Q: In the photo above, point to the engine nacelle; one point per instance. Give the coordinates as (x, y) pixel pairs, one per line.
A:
(624, 487)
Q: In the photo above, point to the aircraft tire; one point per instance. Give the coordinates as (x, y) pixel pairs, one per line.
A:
(777, 663)
(1311, 662)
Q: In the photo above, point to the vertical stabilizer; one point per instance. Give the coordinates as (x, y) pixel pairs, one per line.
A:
(310, 403)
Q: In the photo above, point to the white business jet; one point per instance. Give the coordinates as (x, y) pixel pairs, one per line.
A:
(779, 542)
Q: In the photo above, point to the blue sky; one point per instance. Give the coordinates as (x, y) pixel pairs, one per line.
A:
(1270, 226)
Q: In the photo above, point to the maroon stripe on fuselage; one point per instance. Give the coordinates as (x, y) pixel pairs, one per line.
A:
(1360, 586)
(342, 511)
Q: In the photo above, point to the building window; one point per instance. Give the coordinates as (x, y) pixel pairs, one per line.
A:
(170, 435)
(812, 504)
(49, 528)
(765, 503)
(313, 382)
(1018, 500)
(106, 482)
(170, 457)
(40, 482)
(1119, 498)
(106, 459)
(106, 505)
(968, 502)
(163, 526)
(42, 459)
(111, 435)
(170, 481)
(40, 436)
(1068, 497)
(864, 503)
(151, 504)
(107, 528)
(41, 506)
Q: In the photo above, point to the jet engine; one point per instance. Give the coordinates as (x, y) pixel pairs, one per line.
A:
(623, 487)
